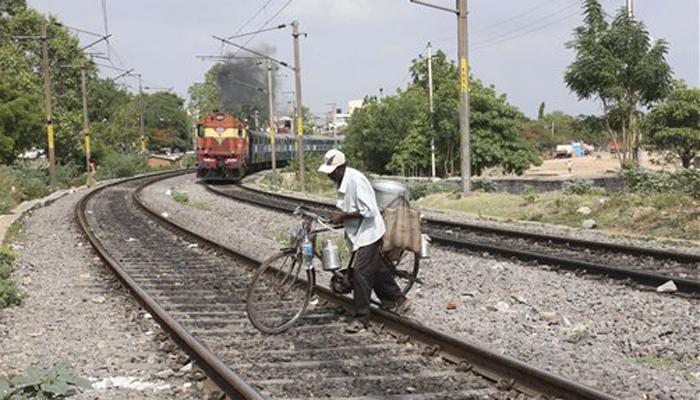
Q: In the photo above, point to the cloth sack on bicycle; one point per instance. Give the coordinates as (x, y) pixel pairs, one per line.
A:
(403, 231)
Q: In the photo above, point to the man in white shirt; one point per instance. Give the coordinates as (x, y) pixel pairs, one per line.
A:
(364, 230)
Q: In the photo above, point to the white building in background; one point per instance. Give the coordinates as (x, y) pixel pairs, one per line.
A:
(353, 104)
(337, 120)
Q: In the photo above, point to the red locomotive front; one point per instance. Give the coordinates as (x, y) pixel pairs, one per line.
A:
(222, 147)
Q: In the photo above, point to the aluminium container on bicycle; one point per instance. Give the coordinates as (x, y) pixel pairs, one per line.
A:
(391, 194)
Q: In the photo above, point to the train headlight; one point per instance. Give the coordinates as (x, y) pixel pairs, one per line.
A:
(208, 159)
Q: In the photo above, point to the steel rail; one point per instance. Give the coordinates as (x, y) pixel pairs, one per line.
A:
(232, 384)
(437, 227)
(439, 223)
(509, 371)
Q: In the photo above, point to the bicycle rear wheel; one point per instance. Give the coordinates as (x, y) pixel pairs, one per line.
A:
(277, 296)
(405, 268)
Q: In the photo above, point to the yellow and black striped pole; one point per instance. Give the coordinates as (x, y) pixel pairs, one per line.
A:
(47, 103)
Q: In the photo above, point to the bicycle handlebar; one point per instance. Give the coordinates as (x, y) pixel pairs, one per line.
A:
(306, 213)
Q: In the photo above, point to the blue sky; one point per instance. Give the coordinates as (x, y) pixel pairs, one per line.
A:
(355, 47)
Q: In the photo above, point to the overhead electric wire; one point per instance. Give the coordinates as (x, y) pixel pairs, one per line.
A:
(513, 18)
(110, 67)
(258, 31)
(521, 34)
(249, 20)
(83, 31)
(265, 24)
(518, 30)
(240, 47)
(114, 51)
(510, 19)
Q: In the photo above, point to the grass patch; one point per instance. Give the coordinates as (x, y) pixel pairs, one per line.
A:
(200, 205)
(654, 362)
(180, 197)
(10, 295)
(184, 199)
(15, 232)
(288, 178)
(670, 215)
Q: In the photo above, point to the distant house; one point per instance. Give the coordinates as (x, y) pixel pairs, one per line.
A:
(165, 161)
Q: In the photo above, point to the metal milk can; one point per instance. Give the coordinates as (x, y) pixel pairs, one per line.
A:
(424, 246)
(331, 257)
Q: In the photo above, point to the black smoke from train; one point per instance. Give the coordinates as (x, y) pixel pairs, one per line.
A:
(243, 88)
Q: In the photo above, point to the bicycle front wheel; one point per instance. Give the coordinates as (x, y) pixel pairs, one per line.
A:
(277, 296)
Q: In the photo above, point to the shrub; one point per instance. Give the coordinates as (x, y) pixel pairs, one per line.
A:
(422, 189)
(32, 182)
(40, 383)
(7, 257)
(117, 165)
(643, 181)
(189, 161)
(529, 194)
(70, 175)
(9, 294)
(581, 186)
(484, 185)
(7, 201)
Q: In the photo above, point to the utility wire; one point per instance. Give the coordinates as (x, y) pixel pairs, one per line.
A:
(265, 24)
(250, 19)
(256, 32)
(83, 31)
(510, 19)
(521, 34)
(116, 54)
(515, 17)
(257, 53)
(497, 38)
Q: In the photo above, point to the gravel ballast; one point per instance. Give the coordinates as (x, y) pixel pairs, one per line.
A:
(635, 344)
(77, 312)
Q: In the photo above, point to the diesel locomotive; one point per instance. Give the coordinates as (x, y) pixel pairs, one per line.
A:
(226, 149)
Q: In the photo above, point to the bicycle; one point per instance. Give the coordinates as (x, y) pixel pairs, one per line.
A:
(277, 296)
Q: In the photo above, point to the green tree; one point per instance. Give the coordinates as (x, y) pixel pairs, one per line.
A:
(20, 60)
(591, 129)
(674, 124)
(205, 96)
(617, 63)
(394, 135)
(120, 133)
(540, 111)
(20, 119)
(166, 122)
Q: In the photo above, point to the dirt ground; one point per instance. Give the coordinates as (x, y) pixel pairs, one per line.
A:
(598, 164)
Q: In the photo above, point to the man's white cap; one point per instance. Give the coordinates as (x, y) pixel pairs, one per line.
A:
(332, 160)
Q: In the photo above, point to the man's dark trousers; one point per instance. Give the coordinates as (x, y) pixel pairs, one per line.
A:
(369, 272)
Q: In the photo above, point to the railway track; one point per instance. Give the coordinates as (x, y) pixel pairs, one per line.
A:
(195, 289)
(645, 266)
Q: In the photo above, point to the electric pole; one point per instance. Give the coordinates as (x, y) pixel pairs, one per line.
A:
(430, 102)
(630, 9)
(141, 122)
(47, 102)
(273, 127)
(299, 106)
(463, 44)
(86, 122)
(463, 54)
